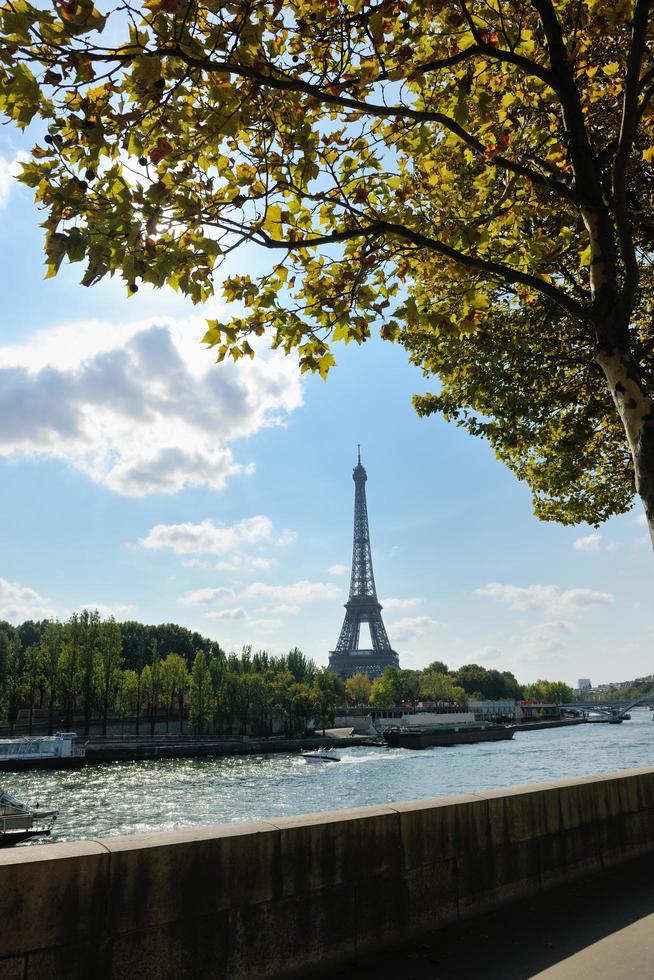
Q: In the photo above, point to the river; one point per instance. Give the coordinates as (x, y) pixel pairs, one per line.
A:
(139, 797)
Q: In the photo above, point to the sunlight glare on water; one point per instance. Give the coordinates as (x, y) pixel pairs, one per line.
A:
(137, 797)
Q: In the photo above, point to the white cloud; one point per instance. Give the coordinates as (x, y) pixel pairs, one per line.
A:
(392, 603)
(226, 614)
(9, 170)
(410, 628)
(591, 542)
(287, 610)
(207, 597)
(206, 538)
(338, 569)
(547, 637)
(299, 592)
(119, 611)
(18, 603)
(549, 598)
(287, 537)
(265, 625)
(486, 653)
(240, 563)
(260, 563)
(138, 407)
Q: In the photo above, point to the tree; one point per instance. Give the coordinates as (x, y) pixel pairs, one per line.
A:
(31, 679)
(435, 685)
(387, 690)
(357, 688)
(474, 176)
(409, 686)
(200, 694)
(89, 623)
(51, 647)
(143, 691)
(13, 681)
(126, 695)
(68, 668)
(549, 692)
(261, 697)
(155, 662)
(174, 681)
(489, 684)
(282, 685)
(325, 691)
(110, 655)
(302, 705)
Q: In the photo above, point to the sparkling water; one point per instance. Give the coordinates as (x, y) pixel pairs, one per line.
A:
(137, 797)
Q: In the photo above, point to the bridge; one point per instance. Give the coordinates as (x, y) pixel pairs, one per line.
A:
(615, 709)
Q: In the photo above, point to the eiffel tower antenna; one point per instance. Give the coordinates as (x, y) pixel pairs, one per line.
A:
(362, 605)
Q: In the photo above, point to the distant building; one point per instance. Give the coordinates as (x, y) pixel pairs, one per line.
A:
(584, 684)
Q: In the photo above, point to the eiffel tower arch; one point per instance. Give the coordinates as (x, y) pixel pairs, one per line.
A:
(362, 605)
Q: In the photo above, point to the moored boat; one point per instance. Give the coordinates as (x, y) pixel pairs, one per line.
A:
(444, 735)
(58, 751)
(20, 822)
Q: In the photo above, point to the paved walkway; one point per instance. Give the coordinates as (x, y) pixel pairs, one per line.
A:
(601, 928)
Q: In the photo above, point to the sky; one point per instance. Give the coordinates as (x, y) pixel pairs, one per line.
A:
(139, 477)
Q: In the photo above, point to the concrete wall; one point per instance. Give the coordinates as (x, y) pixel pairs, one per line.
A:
(274, 898)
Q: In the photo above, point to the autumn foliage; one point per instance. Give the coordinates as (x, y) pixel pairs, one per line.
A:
(472, 178)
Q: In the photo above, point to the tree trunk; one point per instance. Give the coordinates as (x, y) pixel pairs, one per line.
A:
(69, 713)
(51, 704)
(636, 410)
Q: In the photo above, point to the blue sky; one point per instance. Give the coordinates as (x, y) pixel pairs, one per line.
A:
(138, 476)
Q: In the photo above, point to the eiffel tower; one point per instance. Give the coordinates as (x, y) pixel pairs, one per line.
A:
(363, 605)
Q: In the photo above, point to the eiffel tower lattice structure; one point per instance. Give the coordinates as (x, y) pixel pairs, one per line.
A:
(362, 605)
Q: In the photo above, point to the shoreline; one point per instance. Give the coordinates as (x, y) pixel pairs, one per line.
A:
(170, 747)
(136, 750)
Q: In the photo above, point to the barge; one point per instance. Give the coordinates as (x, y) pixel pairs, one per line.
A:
(58, 751)
(426, 736)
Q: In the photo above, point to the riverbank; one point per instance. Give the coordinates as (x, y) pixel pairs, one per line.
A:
(538, 726)
(146, 747)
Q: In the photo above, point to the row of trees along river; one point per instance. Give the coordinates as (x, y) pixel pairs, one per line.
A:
(89, 670)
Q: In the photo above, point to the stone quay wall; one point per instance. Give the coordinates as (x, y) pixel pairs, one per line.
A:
(278, 898)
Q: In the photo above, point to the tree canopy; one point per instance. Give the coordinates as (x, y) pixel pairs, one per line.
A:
(472, 177)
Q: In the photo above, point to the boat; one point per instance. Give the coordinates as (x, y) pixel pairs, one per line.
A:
(321, 755)
(20, 822)
(58, 751)
(401, 737)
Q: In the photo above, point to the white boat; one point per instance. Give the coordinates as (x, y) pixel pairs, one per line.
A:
(321, 755)
(58, 751)
(19, 822)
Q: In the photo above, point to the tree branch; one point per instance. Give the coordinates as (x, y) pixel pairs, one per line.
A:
(495, 270)
(625, 144)
(581, 152)
(284, 83)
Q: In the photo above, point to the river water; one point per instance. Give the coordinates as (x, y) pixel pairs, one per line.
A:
(138, 797)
